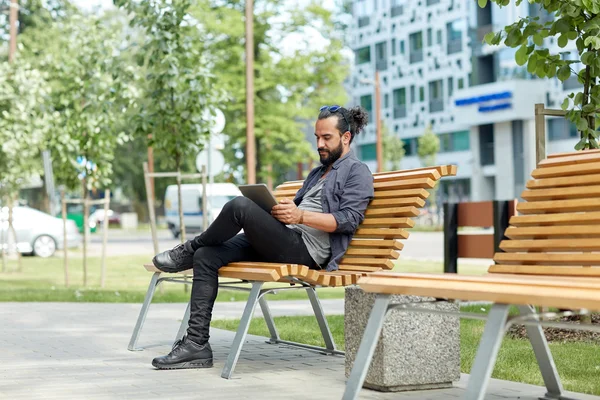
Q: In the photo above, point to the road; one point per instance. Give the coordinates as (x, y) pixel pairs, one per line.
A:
(420, 245)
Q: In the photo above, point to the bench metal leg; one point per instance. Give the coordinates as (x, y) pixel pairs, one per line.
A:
(266, 311)
(240, 335)
(362, 362)
(321, 320)
(154, 282)
(485, 359)
(544, 358)
(184, 323)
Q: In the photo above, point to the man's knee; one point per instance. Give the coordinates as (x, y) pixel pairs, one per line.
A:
(203, 260)
(239, 203)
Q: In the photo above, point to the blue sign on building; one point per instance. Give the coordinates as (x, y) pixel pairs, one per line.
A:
(488, 102)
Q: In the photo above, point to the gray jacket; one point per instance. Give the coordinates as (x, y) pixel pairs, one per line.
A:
(347, 192)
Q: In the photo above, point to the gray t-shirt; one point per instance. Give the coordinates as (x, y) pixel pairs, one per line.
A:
(316, 241)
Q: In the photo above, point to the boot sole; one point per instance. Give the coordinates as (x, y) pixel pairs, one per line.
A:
(208, 363)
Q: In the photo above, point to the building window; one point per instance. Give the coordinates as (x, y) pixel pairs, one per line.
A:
(381, 56)
(402, 47)
(368, 152)
(410, 146)
(366, 102)
(399, 96)
(422, 93)
(393, 47)
(454, 36)
(397, 8)
(439, 37)
(412, 94)
(363, 10)
(386, 100)
(363, 55)
(416, 47)
(436, 96)
(432, 2)
(454, 141)
(461, 83)
(450, 86)
(429, 37)
(561, 129)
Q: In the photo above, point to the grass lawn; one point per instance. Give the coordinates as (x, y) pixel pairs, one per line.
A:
(127, 281)
(578, 363)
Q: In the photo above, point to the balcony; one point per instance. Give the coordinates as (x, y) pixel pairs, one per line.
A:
(400, 111)
(416, 56)
(436, 105)
(396, 11)
(454, 46)
(364, 21)
(381, 65)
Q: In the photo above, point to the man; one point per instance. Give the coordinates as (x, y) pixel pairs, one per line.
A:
(314, 230)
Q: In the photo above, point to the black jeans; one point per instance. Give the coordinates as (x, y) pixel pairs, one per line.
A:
(264, 239)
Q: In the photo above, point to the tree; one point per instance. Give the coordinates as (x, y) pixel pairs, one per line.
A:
(24, 123)
(393, 149)
(291, 83)
(575, 21)
(428, 146)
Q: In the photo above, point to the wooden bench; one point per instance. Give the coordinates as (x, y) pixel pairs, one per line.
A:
(550, 257)
(375, 246)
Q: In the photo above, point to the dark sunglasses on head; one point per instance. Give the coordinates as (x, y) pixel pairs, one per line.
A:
(336, 108)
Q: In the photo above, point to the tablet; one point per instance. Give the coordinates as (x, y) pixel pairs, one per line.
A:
(259, 194)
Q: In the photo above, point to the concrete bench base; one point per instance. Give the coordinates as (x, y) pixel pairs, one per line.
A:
(415, 351)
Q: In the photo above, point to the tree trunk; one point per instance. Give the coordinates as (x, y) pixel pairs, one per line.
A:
(86, 230)
(2, 248)
(180, 206)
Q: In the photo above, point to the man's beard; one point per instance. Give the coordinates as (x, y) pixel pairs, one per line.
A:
(332, 155)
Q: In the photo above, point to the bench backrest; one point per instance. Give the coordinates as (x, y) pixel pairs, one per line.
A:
(558, 231)
(398, 197)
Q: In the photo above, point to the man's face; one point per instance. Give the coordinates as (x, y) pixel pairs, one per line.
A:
(331, 144)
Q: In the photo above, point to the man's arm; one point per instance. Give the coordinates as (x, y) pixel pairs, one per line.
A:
(356, 195)
(287, 212)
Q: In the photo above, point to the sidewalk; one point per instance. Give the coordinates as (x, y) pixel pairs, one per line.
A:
(79, 351)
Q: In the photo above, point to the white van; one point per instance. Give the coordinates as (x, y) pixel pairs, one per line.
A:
(191, 197)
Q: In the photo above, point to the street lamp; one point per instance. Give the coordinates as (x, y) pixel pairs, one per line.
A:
(379, 140)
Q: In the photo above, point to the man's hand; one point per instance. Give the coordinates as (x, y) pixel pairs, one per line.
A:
(287, 212)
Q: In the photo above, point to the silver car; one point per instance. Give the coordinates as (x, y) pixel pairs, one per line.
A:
(38, 233)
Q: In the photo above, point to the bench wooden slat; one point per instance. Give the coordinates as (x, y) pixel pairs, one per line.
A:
(373, 262)
(544, 270)
(566, 170)
(588, 218)
(326, 279)
(389, 253)
(254, 274)
(421, 183)
(548, 258)
(392, 212)
(430, 173)
(563, 193)
(550, 245)
(381, 233)
(152, 268)
(572, 153)
(562, 182)
(396, 194)
(555, 232)
(570, 160)
(548, 293)
(559, 206)
(398, 222)
(401, 202)
(444, 170)
(358, 268)
(380, 244)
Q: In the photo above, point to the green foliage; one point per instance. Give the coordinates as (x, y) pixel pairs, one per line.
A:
(290, 85)
(24, 124)
(178, 85)
(428, 146)
(393, 149)
(578, 22)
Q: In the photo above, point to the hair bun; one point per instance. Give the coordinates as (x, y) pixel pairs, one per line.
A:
(360, 118)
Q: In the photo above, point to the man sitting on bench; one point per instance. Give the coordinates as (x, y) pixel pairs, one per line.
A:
(314, 229)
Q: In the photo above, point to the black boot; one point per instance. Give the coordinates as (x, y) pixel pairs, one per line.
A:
(186, 354)
(175, 260)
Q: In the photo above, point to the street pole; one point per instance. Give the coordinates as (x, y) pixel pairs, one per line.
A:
(250, 141)
(151, 167)
(379, 145)
(13, 17)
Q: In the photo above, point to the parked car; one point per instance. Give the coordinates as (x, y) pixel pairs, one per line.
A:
(191, 197)
(75, 213)
(38, 233)
(114, 218)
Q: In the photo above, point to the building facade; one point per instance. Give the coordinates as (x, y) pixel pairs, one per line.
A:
(435, 71)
